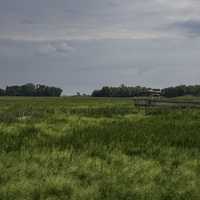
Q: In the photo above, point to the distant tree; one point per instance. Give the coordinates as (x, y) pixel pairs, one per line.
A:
(181, 90)
(42, 90)
(28, 90)
(54, 91)
(121, 91)
(78, 94)
(33, 90)
(2, 92)
(13, 91)
(106, 92)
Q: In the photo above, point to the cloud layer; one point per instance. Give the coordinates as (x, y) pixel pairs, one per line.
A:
(81, 45)
(93, 19)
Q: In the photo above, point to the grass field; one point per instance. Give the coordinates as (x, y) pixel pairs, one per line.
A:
(97, 149)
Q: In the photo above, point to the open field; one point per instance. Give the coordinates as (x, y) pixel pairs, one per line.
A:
(97, 149)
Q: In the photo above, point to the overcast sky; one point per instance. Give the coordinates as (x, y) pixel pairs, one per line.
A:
(81, 45)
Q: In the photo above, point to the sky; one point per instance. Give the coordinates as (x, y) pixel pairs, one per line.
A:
(82, 45)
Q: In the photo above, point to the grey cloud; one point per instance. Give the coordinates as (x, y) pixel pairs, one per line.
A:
(80, 19)
(113, 4)
(63, 47)
(189, 27)
(90, 18)
(54, 47)
(27, 21)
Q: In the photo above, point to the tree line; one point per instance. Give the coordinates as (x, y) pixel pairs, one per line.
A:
(31, 90)
(138, 91)
(106, 91)
(181, 90)
(122, 91)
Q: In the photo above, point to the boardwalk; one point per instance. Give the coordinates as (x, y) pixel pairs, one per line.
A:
(165, 103)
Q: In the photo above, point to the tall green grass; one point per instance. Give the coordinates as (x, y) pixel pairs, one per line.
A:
(97, 149)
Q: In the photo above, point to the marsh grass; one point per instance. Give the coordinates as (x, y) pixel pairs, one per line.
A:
(97, 149)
